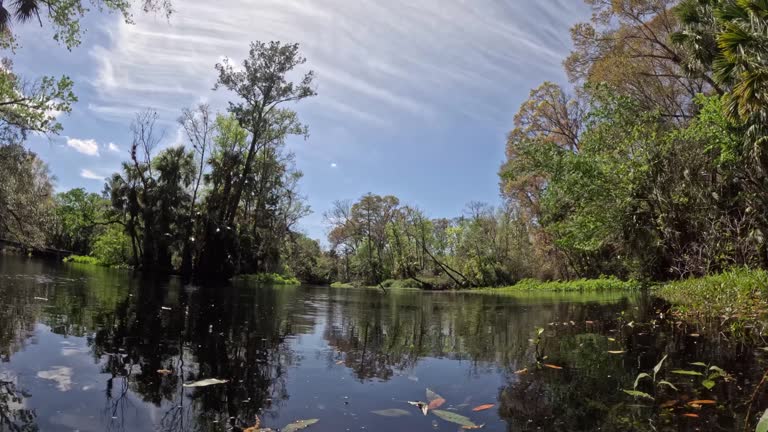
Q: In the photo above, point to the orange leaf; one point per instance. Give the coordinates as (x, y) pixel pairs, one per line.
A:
(483, 407)
(702, 402)
(436, 403)
(551, 366)
(692, 415)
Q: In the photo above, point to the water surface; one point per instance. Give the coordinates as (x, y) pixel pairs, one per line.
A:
(91, 349)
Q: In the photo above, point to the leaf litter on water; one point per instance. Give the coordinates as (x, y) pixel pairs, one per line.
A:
(434, 399)
(483, 407)
(458, 419)
(206, 382)
(299, 425)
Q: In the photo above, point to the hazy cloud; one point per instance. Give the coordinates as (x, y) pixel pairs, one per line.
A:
(88, 147)
(113, 147)
(90, 175)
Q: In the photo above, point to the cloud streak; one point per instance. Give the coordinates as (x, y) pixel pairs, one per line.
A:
(90, 175)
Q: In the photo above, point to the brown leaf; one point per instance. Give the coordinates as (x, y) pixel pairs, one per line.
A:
(480, 426)
(164, 371)
(436, 403)
(522, 371)
(483, 407)
(551, 366)
(692, 415)
(668, 404)
(702, 402)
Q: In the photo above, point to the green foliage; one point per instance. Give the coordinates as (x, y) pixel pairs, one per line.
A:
(112, 247)
(83, 259)
(78, 215)
(586, 285)
(342, 285)
(269, 279)
(740, 292)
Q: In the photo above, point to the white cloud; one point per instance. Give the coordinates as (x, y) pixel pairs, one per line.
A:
(90, 175)
(113, 147)
(333, 165)
(88, 147)
(379, 60)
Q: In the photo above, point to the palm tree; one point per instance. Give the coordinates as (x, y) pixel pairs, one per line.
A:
(19, 10)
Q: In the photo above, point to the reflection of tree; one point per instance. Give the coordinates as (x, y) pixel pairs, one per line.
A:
(14, 417)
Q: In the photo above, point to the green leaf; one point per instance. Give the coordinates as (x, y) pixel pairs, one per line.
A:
(454, 418)
(762, 424)
(687, 372)
(206, 382)
(667, 383)
(636, 393)
(708, 384)
(657, 368)
(299, 425)
(393, 412)
(639, 377)
(698, 364)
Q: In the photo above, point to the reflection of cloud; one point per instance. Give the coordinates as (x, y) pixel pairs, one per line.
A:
(62, 375)
(70, 351)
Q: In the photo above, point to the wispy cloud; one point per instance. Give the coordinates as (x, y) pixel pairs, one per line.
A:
(88, 146)
(113, 147)
(90, 175)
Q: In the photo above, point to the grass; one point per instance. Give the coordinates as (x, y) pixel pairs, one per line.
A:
(342, 285)
(270, 279)
(740, 293)
(581, 285)
(83, 259)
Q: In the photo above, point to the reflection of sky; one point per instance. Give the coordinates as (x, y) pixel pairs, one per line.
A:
(415, 98)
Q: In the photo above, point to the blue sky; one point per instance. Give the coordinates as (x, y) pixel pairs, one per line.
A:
(414, 98)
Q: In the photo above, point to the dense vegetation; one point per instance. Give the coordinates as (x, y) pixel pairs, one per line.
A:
(650, 166)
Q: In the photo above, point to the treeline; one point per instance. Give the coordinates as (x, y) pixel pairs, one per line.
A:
(654, 166)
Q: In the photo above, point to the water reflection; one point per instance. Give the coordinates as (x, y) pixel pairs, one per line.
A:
(94, 349)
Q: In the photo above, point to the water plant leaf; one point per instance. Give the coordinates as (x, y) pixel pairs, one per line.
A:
(551, 366)
(483, 407)
(423, 406)
(698, 364)
(393, 412)
(702, 402)
(657, 368)
(206, 382)
(435, 400)
(668, 384)
(637, 393)
(454, 418)
(299, 425)
(762, 424)
(687, 372)
(616, 352)
(480, 426)
(708, 384)
(639, 377)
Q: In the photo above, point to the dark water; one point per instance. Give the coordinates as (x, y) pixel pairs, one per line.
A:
(81, 347)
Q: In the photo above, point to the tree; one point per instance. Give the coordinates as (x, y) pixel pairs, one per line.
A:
(79, 216)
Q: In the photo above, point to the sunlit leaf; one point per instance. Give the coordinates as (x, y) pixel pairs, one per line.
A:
(393, 412)
(206, 382)
(551, 366)
(522, 371)
(698, 364)
(668, 384)
(483, 407)
(708, 384)
(612, 339)
(616, 352)
(637, 393)
(686, 372)
(454, 418)
(435, 400)
(762, 424)
(692, 415)
(299, 425)
(702, 402)
(657, 368)
(639, 377)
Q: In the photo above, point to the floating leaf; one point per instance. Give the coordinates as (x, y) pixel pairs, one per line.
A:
(394, 412)
(668, 384)
(762, 424)
(668, 404)
(423, 406)
(692, 415)
(164, 371)
(694, 335)
(639, 377)
(206, 382)
(616, 352)
(299, 425)
(551, 366)
(657, 368)
(637, 393)
(702, 402)
(340, 362)
(522, 371)
(473, 426)
(435, 400)
(708, 384)
(686, 372)
(612, 339)
(454, 418)
(483, 407)
(698, 364)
